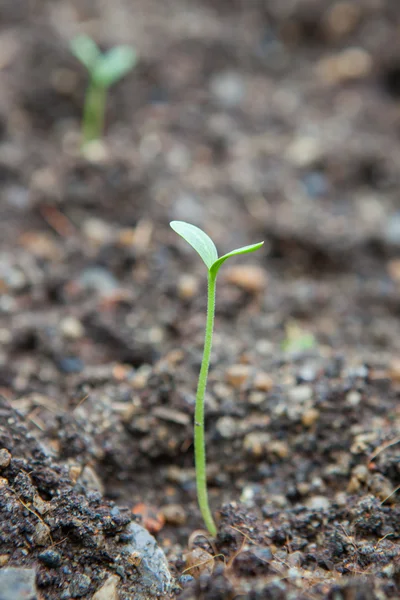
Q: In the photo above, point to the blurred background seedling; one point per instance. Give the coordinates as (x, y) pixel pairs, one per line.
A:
(104, 69)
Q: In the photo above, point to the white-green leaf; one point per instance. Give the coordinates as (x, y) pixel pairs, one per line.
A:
(85, 50)
(113, 65)
(199, 240)
(244, 250)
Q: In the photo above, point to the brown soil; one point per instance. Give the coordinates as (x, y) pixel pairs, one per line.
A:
(256, 120)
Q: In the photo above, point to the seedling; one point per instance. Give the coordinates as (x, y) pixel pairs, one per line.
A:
(205, 247)
(104, 70)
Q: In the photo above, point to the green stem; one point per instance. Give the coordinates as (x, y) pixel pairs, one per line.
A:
(94, 113)
(199, 443)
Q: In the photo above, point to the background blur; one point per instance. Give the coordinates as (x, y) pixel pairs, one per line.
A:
(253, 119)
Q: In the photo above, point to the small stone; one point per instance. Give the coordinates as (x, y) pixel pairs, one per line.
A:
(256, 398)
(393, 269)
(353, 398)
(310, 417)
(70, 364)
(41, 535)
(154, 570)
(255, 443)
(263, 382)
(300, 394)
(174, 514)
(109, 589)
(394, 370)
(350, 64)
(71, 328)
(304, 151)
(341, 19)
(18, 584)
(4, 558)
(391, 231)
(79, 585)
(319, 503)
(278, 448)
(97, 231)
(228, 88)
(185, 579)
(237, 375)
(51, 558)
(99, 280)
(188, 286)
(227, 427)
(250, 278)
(5, 458)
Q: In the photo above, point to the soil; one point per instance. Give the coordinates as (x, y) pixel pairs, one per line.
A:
(255, 120)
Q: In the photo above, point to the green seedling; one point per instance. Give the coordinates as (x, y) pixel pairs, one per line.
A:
(104, 70)
(205, 247)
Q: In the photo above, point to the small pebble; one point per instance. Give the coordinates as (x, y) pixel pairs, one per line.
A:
(51, 558)
(227, 427)
(5, 458)
(349, 64)
(108, 591)
(99, 280)
(228, 88)
(310, 417)
(394, 370)
(318, 503)
(353, 398)
(237, 375)
(263, 382)
(97, 231)
(154, 570)
(70, 364)
(188, 286)
(250, 278)
(278, 448)
(185, 579)
(174, 514)
(18, 584)
(391, 231)
(4, 558)
(41, 535)
(304, 151)
(71, 328)
(341, 18)
(255, 443)
(79, 585)
(300, 393)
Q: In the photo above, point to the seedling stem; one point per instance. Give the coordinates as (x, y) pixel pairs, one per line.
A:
(205, 247)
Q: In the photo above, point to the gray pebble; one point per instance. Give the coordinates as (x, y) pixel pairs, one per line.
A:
(79, 585)
(17, 584)
(300, 394)
(99, 280)
(228, 88)
(392, 230)
(153, 566)
(227, 427)
(51, 558)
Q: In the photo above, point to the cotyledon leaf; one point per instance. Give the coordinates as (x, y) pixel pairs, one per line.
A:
(243, 250)
(199, 240)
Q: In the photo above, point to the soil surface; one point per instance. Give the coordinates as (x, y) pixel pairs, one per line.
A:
(255, 120)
